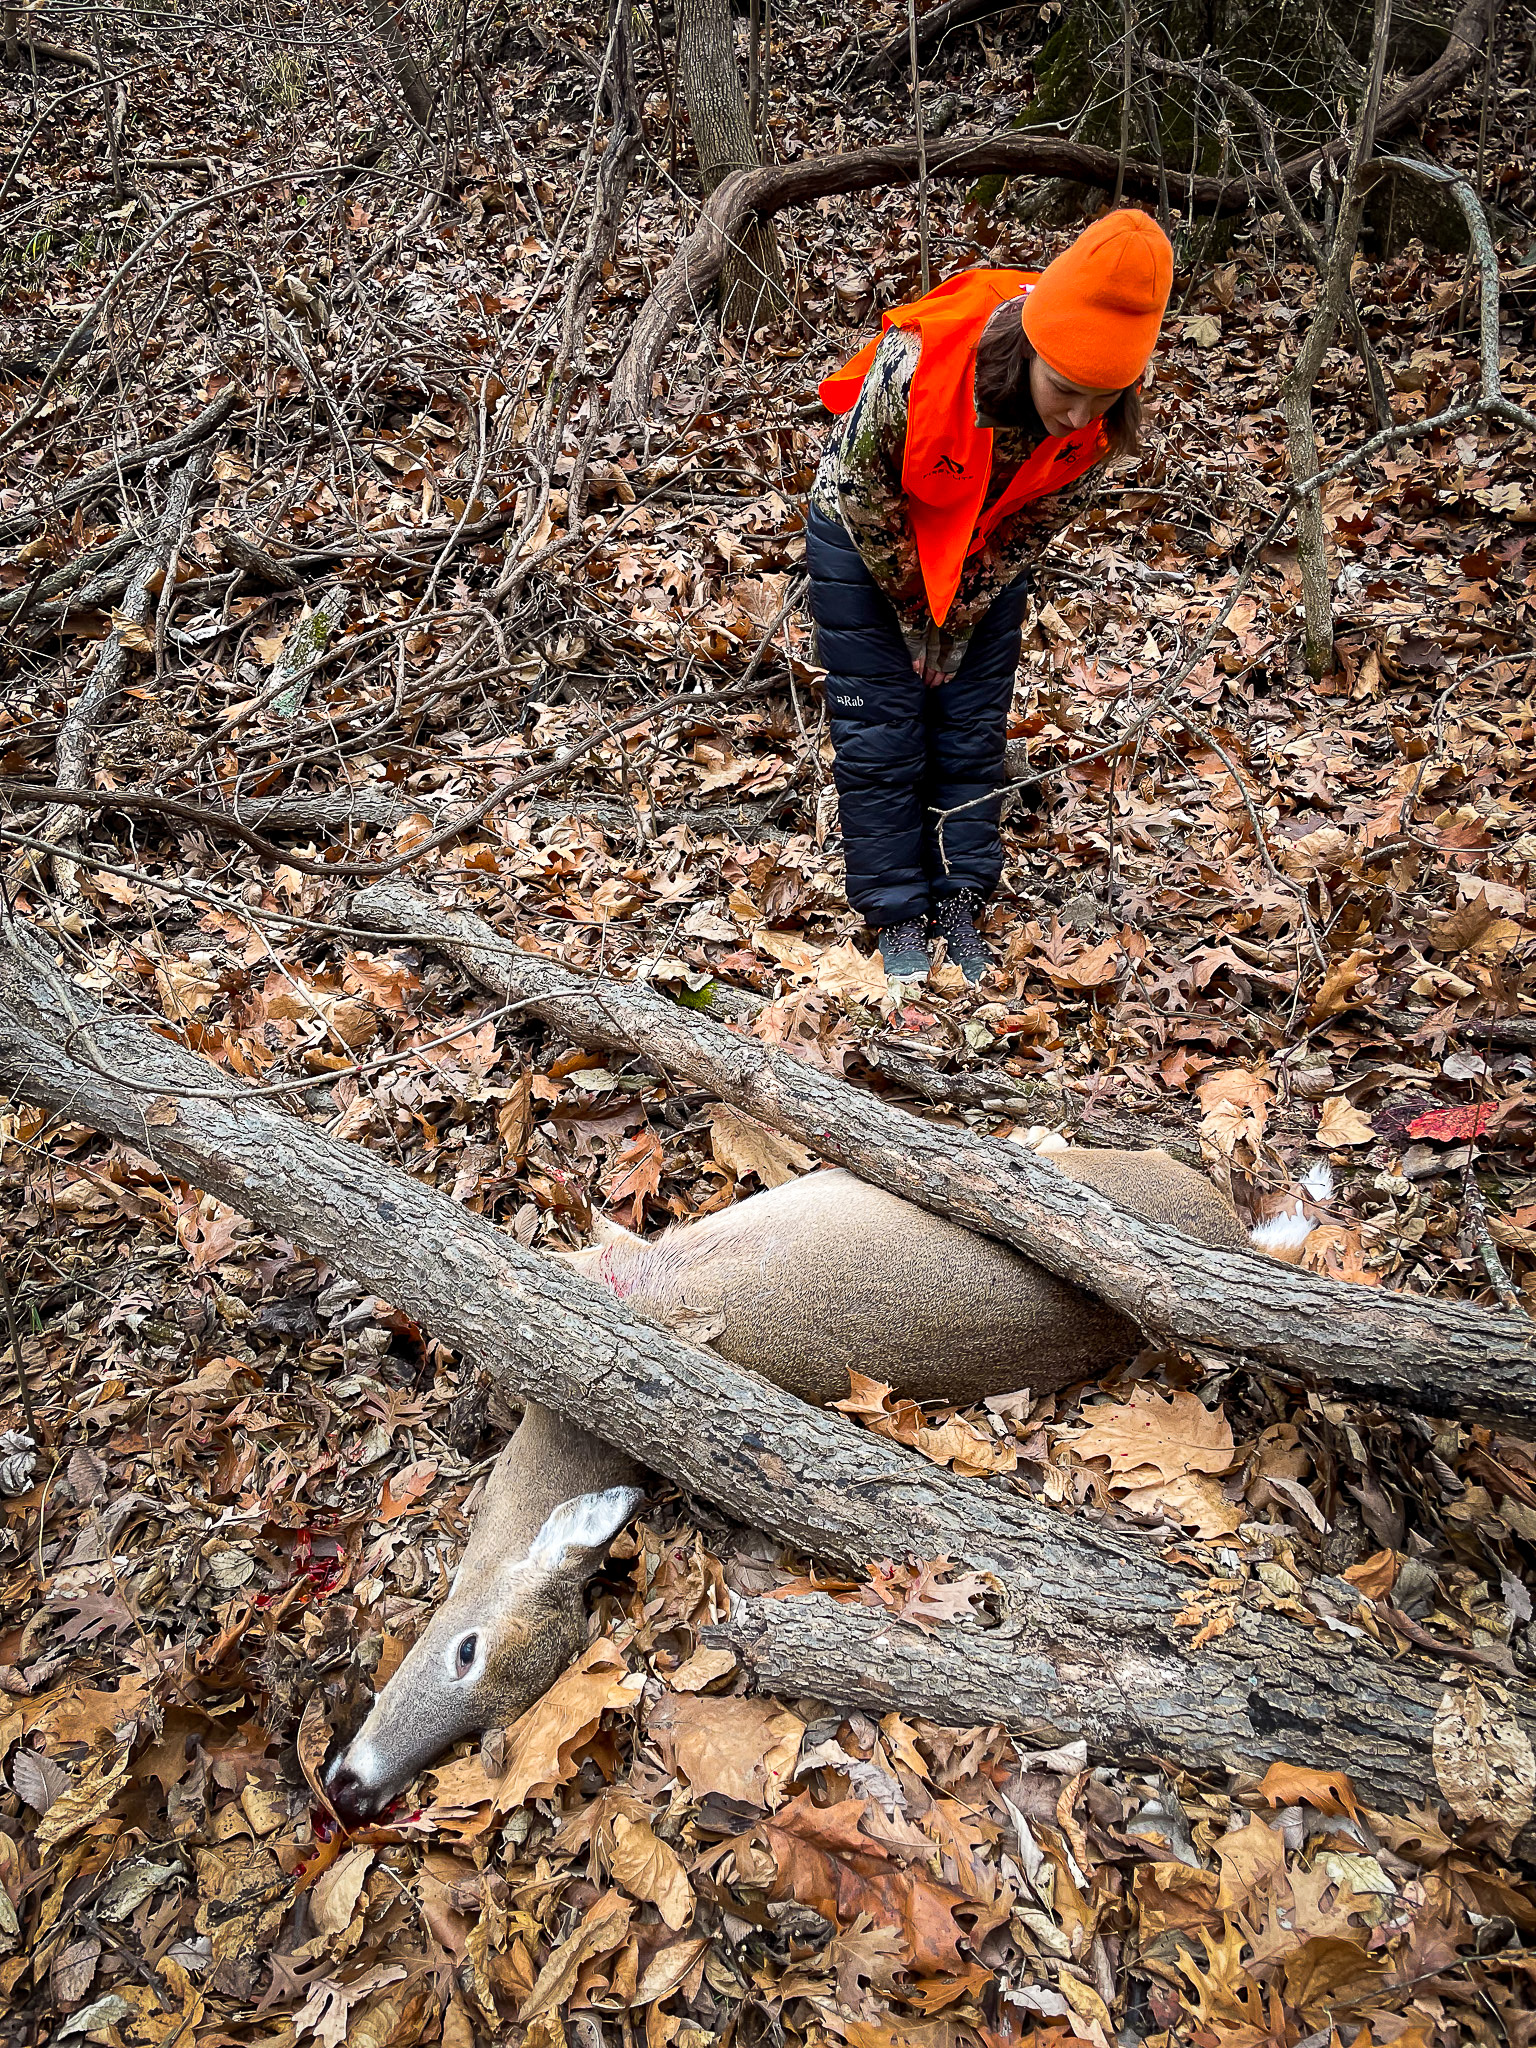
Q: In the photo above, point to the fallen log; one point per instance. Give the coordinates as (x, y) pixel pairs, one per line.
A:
(1091, 1613)
(1446, 1357)
(1337, 1709)
(688, 279)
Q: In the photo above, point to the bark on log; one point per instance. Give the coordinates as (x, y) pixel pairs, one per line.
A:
(1450, 1358)
(688, 278)
(1089, 1611)
(1123, 1685)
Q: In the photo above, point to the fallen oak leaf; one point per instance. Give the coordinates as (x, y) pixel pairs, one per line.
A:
(1295, 1785)
(1340, 1253)
(403, 1491)
(637, 1174)
(1172, 1896)
(858, 977)
(955, 1442)
(1234, 1107)
(540, 1752)
(1341, 988)
(1252, 1863)
(824, 1858)
(327, 2011)
(1342, 1124)
(912, 1593)
(742, 1749)
(742, 1145)
(1327, 1973)
(1193, 1500)
(1171, 1437)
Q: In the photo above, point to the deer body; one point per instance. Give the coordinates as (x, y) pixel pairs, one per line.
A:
(800, 1283)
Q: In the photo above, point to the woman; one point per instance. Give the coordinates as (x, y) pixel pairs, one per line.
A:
(961, 425)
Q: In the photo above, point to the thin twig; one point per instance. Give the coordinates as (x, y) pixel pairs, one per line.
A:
(13, 1337)
(922, 145)
(337, 871)
(1475, 1216)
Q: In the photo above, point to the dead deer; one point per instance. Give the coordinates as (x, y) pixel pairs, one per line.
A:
(798, 1283)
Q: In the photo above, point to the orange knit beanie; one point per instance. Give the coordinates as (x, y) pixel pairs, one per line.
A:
(1094, 315)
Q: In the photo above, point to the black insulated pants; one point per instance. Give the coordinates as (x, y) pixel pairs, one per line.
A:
(904, 750)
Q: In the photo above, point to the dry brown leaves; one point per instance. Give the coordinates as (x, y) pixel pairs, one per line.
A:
(254, 1478)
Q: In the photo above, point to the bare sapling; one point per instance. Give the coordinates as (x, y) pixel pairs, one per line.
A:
(1296, 388)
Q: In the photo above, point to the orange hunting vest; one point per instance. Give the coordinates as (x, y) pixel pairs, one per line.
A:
(947, 461)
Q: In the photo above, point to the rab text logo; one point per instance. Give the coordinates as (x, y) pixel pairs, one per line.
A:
(947, 466)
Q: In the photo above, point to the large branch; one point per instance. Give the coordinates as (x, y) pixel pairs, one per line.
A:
(1449, 1357)
(688, 279)
(1091, 1637)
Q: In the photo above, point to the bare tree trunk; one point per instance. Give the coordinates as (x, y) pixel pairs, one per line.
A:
(1296, 389)
(749, 194)
(389, 20)
(752, 281)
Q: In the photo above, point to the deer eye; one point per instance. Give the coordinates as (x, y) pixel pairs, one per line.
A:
(466, 1654)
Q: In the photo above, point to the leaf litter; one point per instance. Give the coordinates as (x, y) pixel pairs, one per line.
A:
(255, 1477)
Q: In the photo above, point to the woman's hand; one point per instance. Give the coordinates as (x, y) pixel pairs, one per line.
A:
(932, 677)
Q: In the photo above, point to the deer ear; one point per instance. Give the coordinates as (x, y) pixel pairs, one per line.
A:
(585, 1523)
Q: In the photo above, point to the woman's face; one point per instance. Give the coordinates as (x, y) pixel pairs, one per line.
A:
(1064, 407)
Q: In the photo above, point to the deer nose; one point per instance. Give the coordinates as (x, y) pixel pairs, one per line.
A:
(355, 1798)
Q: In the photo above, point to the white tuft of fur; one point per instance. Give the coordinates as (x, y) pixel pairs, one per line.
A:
(1282, 1236)
(1318, 1181)
(585, 1523)
(606, 1231)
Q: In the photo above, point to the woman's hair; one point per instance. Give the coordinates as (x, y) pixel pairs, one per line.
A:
(1003, 357)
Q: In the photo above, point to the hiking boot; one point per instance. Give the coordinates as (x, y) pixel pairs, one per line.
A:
(904, 950)
(954, 921)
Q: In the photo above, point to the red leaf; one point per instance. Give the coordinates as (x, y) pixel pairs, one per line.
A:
(1468, 1120)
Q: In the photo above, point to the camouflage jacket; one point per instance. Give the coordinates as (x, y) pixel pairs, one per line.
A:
(859, 485)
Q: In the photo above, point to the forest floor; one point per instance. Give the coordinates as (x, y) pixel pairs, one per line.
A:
(245, 1472)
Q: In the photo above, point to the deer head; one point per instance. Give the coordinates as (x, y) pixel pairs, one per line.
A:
(513, 1617)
